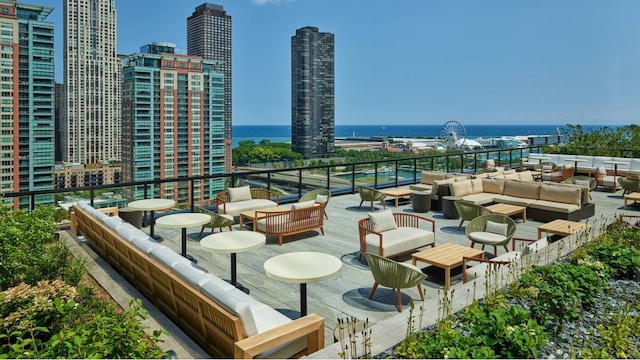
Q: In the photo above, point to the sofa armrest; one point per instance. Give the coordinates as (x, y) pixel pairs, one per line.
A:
(310, 326)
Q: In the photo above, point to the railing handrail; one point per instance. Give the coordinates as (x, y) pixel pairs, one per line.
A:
(432, 158)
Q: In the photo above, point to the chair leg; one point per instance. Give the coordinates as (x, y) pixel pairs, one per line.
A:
(372, 206)
(506, 249)
(460, 225)
(473, 245)
(359, 206)
(201, 230)
(325, 214)
(495, 250)
(399, 301)
(373, 290)
(420, 292)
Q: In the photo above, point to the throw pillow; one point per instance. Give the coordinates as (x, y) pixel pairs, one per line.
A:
(601, 170)
(295, 216)
(239, 194)
(582, 182)
(382, 221)
(321, 199)
(496, 228)
(547, 167)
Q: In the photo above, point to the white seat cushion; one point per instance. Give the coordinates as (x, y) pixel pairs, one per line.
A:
(484, 237)
(235, 208)
(400, 240)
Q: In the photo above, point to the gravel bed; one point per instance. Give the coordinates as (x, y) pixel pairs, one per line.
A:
(568, 338)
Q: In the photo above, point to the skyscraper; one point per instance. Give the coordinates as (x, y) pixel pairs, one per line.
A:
(209, 36)
(91, 131)
(312, 93)
(27, 98)
(172, 123)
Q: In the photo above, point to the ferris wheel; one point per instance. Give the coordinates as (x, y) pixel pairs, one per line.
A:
(453, 133)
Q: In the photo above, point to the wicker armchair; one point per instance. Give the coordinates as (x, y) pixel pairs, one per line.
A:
(583, 180)
(217, 220)
(313, 195)
(477, 231)
(371, 195)
(395, 275)
(469, 211)
(559, 175)
(629, 184)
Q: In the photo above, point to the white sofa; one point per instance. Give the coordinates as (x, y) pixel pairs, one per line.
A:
(389, 234)
(473, 268)
(206, 307)
(233, 201)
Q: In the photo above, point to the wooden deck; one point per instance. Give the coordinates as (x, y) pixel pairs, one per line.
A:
(346, 295)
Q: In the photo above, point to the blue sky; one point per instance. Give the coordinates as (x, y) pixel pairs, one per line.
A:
(422, 61)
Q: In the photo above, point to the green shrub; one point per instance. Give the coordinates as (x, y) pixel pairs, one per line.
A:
(558, 291)
(622, 259)
(479, 331)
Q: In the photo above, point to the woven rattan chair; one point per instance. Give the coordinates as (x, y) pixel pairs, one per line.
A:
(371, 195)
(476, 231)
(469, 211)
(629, 184)
(583, 179)
(313, 195)
(395, 275)
(217, 220)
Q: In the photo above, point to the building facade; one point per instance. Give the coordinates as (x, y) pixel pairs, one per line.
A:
(209, 36)
(312, 93)
(91, 130)
(173, 124)
(27, 101)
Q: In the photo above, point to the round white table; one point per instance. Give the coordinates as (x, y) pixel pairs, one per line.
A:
(302, 267)
(152, 205)
(183, 221)
(233, 242)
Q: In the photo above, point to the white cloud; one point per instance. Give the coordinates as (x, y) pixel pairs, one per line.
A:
(264, 2)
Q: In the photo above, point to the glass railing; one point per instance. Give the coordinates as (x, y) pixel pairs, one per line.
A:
(290, 184)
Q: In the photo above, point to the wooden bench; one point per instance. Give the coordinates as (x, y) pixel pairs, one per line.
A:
(289, 222)
(217, 330)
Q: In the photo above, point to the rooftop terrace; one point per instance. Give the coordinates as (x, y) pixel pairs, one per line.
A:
(347, 294)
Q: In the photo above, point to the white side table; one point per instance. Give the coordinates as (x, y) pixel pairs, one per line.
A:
(183, 221)
(152, 205)
(233, 242)
(302, 267)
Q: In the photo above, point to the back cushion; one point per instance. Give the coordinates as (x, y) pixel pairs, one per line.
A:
(512, 176)
(563, 194)
(494, 186)
(526, 176)
(437, 183)
(521, 189)
(239, 194)
(382, 221)
(461, 188)
(427, 177)
(297, 215)
(476, 186)
(510, 171)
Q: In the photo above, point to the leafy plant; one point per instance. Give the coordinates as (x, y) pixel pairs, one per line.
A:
(623, 260)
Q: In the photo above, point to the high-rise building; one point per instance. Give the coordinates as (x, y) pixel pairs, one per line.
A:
(92, 82)
(209, 36)
(172, 123)
(312, 93)
(27, 101)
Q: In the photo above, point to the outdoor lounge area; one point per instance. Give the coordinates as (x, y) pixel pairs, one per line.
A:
(347, 293)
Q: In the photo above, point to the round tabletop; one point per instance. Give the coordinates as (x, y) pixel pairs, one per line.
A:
(302, 267)
(151, 204)
(183, 220)
(233, 241)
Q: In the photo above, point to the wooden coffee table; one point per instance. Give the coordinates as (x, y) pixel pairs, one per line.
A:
(561, 227)
(397, 193)
(508, 210)
(251, 214)
(446, 257)
(635, 196)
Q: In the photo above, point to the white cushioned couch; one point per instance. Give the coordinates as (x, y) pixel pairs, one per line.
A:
(544, 201)
(233, 201)
(223, 320)
(389, 234)
(473, 268)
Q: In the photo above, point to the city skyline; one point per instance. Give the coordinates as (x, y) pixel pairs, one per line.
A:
(422, 62)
